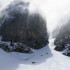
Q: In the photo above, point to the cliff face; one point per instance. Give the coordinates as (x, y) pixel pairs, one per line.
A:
(17, 25)
(62, 40)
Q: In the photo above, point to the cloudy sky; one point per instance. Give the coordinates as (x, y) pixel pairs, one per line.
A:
(55, 11)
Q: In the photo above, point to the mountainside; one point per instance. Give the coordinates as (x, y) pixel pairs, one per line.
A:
(62, 40)
(21, 27)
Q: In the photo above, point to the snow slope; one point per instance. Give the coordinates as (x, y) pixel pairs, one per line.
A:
(46, 59)
(55, 10)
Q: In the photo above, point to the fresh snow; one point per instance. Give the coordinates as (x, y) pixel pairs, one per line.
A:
(45, 59)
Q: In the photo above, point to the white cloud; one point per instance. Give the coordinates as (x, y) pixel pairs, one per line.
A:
(55, 11)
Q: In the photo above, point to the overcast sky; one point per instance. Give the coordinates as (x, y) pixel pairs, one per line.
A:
(56, 11)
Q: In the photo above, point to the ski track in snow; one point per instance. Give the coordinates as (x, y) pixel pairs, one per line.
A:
(18, 61)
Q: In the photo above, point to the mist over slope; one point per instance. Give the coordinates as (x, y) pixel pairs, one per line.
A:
(56, 12)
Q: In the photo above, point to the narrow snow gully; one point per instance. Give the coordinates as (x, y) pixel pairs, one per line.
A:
(58, 61)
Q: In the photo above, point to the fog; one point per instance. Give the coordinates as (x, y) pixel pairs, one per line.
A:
(56, 12)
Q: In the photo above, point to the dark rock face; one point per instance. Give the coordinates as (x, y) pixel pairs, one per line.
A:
(17, 25)
(14, 22)
(62, 40)
(37, 32)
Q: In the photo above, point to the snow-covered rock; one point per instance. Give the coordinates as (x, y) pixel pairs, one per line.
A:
(62, 40)
(16, 47)
(18, 25)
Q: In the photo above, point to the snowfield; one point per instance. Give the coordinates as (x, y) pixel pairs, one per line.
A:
(46, 58)
(43, 59)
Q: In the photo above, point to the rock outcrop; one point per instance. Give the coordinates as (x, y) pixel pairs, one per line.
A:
(16, 47)
(17, 25)
(62, 40)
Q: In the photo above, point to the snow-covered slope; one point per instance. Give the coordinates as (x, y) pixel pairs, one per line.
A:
(55, 10)
(43, 59)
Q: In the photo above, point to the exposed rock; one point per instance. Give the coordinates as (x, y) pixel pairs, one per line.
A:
(14, 23)
(46, 53)
(41, 55)
(18, 47)
(5, 47)
(17, 25)
(67, 53)
(33, 62)
(37, 31)
(62, 40)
